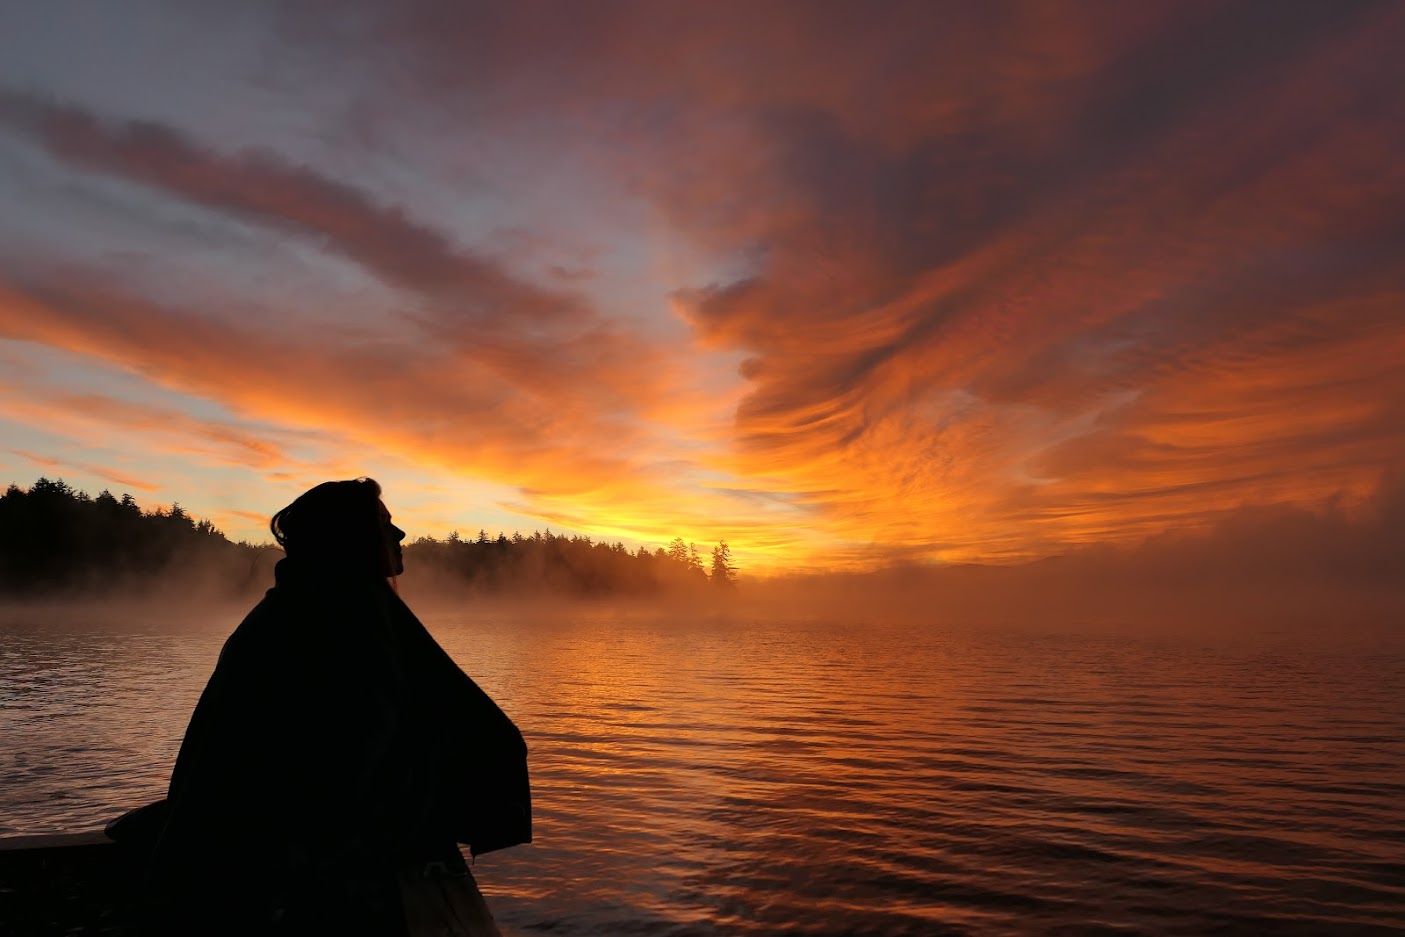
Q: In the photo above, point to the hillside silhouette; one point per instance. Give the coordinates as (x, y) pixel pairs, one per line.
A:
(56, 540)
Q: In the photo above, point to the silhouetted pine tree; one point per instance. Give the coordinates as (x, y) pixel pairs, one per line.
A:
(549, 562)
(724, 574)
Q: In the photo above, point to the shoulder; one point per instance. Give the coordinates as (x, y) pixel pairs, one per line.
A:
(267, 634)
(316, 630)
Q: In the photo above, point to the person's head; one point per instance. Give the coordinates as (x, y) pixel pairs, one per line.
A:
(341, 525)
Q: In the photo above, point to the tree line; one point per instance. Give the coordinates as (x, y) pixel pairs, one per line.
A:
(55, 539)
(574, 563)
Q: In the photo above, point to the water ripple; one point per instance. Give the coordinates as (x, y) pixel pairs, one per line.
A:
(813, 779)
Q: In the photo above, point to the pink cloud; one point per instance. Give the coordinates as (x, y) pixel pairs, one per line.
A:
(117, 478)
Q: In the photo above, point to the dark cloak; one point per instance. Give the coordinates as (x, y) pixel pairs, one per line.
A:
(335, 742)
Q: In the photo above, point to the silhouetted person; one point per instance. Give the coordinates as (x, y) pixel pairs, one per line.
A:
(337, 751)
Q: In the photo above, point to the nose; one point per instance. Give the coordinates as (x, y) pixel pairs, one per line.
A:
(399, 534)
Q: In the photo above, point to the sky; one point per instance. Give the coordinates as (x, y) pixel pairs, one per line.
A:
(846, 284)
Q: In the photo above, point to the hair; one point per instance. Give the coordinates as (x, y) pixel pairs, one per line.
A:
(335, 523)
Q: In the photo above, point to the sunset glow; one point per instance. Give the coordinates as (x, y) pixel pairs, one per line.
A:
(950, 283)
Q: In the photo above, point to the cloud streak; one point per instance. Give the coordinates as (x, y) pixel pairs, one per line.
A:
(421, 403)
(117, 478)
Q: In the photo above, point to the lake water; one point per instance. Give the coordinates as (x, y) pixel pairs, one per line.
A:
(732, 776)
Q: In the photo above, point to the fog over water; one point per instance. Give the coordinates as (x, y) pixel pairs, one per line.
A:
(728, 773)
(1203, 734)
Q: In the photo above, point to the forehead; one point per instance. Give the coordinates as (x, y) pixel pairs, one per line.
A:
(383, 510)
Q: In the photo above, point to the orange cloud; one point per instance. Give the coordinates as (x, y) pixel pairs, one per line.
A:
(420, 403)
(118, 478)
(99, 419)
(1139, 334)
(1001, 279)
(247, 515)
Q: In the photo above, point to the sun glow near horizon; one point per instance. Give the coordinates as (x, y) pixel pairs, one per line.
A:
(638, 296)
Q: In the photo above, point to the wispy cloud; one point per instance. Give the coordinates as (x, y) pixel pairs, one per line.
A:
(999, 279)
(424, 402)
(117, 478)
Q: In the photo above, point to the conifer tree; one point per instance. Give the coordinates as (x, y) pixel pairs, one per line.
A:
(678, 551)
(724, 574)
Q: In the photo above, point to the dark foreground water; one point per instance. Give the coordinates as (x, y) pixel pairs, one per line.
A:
(728, 776)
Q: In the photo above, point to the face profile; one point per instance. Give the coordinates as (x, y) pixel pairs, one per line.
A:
(342, 527)
(392, 538)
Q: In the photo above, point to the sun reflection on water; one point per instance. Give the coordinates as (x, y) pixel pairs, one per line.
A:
(750, 777)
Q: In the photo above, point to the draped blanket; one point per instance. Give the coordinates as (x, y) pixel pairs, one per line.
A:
(335, 739)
